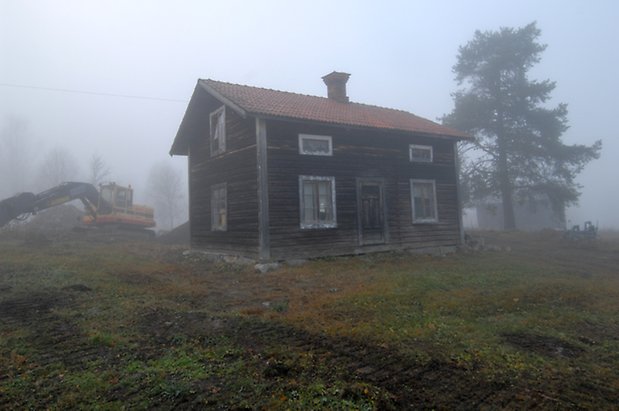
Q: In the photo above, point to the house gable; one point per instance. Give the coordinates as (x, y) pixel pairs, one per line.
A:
(232, 228)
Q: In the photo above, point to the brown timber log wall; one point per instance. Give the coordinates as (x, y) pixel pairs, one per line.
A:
(356, 154)
(237, 168)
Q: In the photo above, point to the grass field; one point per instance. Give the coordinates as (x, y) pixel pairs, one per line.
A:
(532, 324)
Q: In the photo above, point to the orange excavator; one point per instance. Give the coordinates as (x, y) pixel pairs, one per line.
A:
(111, 205)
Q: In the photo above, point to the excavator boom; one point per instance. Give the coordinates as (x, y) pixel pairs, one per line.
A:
(65, 192)
(114, 205)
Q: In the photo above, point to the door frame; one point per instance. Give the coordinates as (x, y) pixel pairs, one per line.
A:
(380, 182)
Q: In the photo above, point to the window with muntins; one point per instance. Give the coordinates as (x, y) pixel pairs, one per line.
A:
(219, 208)
(423, 200)
(317, 200)
(218, 131)
(314, 145)
(423, 154)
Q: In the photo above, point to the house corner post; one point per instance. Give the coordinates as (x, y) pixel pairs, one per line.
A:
(189, 196)
(458, 193)
(264, 247)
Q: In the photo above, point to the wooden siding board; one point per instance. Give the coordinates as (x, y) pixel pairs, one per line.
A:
(263, 190)
(356, 154)
(237, 168)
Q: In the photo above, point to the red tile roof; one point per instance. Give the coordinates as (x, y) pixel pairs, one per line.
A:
(281, 104)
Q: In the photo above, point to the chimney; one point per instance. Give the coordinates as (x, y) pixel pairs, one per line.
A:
(336, 86)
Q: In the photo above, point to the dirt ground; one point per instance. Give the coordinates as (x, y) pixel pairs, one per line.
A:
(402, 382)
(160, 328)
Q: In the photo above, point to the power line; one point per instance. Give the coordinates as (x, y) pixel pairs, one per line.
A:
(93, 93)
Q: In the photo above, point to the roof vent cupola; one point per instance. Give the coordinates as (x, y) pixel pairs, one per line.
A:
(336, 86)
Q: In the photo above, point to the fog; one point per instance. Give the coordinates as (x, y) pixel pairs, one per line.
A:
(114, 77)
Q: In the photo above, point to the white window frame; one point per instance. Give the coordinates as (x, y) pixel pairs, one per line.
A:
(215, 211)
(219, 113)
(412, 196)
(422, 147)
(315, 225)
(328, 139)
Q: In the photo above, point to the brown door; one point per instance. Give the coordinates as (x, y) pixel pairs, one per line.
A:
(371, 212)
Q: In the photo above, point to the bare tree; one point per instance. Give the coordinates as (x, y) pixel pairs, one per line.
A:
(58, 166)
(16, 156)
(99, 170)
(166, 191)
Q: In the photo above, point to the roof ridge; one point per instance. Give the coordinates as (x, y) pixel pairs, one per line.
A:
(287, 104)
(319, 97)
(263, 88)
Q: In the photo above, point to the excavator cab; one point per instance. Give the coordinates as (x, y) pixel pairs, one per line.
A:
(119, 197)
(115, 207)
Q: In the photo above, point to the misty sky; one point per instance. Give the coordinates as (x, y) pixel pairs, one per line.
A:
(400, 55)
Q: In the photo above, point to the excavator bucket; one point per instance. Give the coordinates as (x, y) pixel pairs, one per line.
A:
(15, 206)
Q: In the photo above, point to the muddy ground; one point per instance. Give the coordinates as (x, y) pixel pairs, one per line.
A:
(169, 330)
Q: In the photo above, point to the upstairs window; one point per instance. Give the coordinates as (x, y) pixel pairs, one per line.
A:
(422, 154)
(317, 198)
(218, 131)
(423, 200)
(313, 145)
(219, 208)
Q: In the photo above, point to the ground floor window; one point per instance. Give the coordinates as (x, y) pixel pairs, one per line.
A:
(423, 200)
(317, 202)
(219, 208)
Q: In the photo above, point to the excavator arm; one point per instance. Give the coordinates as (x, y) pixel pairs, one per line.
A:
(27, 203)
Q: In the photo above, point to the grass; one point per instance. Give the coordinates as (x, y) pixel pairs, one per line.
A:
(139, 325)
(459, 308)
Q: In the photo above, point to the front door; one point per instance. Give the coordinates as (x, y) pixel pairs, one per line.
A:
(371, 212)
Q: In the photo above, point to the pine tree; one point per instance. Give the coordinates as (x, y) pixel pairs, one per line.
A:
(517, 153)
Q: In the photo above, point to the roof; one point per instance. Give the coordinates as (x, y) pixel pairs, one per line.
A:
(262, 102)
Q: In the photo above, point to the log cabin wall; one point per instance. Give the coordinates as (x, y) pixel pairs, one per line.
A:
(236, 167)
(357, 154)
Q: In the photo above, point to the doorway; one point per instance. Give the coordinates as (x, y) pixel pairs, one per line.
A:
(371, 211)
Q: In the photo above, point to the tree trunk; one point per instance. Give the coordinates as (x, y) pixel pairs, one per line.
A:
(509, 219)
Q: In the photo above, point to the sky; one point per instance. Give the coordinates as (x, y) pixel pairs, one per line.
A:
(136, 63)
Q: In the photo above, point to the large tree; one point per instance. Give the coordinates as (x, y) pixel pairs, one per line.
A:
(518, 152)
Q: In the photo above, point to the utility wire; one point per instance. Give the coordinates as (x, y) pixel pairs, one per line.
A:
(92, 93)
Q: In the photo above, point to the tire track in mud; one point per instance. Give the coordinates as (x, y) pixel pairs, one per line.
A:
(407, 382)
(53, 344)
(410, 383)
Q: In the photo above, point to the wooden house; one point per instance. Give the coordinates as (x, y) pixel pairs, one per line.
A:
(276, 175)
